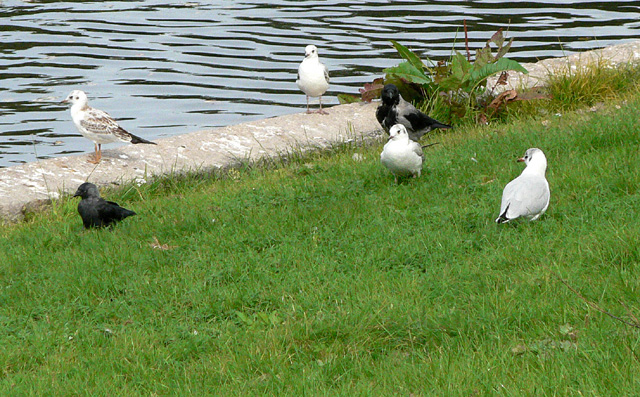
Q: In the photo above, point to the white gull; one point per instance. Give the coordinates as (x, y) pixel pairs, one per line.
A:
(528, 195)
(401, 155)
(313, 76)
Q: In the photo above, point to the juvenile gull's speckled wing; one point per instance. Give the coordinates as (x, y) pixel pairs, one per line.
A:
(99, 122)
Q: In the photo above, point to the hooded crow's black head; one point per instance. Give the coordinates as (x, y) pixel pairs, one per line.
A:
(390, 95)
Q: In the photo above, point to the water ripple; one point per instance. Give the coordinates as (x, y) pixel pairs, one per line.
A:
(166, 69)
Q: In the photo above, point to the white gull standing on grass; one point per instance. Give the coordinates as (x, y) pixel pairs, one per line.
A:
(313, 76)
(401, 155)
(528, 195)
(97, 125)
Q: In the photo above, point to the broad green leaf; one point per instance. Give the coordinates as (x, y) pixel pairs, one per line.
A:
(244, 318)
(410, 91)
(483, 57)
(475, 77)
(407, 54)
(450, 83)
(408, 72)
(459, 66)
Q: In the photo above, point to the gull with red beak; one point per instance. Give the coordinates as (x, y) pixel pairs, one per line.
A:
(527, 196)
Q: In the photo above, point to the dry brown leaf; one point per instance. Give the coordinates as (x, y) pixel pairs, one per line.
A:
(156, 245)
(504, 97)
(502, 80)
(489, 181)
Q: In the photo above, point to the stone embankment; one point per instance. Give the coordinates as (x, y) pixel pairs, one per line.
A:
(26, 187)
(29, 186)
(538, 72)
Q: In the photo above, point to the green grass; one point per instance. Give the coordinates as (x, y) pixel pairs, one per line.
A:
(566, 89)
(324, 277)
(591, 83)
(569, 89)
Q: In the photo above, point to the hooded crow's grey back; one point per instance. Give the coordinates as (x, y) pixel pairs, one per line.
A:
(395, 110)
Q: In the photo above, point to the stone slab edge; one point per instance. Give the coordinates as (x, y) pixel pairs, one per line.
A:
(619, 54)
(24, 187)
(27, 187)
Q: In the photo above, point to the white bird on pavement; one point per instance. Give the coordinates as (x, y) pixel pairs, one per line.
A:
(401, 155)
(97, 125)
(313, 76)
(528, 195)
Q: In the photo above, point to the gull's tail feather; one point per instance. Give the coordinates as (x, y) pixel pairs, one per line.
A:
(429, 145)
(137, 139)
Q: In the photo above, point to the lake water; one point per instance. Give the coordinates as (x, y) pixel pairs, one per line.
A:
(165, 68)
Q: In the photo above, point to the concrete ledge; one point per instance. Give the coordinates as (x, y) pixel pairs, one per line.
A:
(615, 55)
(28, 186)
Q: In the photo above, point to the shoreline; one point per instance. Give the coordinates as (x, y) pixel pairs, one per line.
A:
(28, 187)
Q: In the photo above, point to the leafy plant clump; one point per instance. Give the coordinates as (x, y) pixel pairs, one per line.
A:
(459, 84)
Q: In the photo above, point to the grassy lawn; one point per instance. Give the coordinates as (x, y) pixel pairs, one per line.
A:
(325, 277)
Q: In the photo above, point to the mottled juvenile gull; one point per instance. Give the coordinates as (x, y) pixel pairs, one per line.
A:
(527, 196)
(97, 125)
